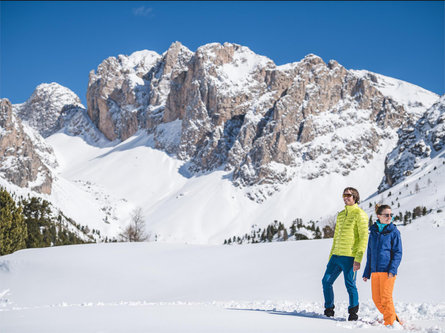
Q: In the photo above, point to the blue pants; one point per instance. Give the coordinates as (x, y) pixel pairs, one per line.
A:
(336, 265)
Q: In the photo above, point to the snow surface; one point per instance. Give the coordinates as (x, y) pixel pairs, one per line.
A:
(415, 99)
(165, 287)
(199, 209)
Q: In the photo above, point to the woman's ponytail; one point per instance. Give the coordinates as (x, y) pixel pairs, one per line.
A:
(380, 208)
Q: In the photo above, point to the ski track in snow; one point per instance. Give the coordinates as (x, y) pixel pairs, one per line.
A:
(431, 316)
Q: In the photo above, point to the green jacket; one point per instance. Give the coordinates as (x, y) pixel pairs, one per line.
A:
(351, 233)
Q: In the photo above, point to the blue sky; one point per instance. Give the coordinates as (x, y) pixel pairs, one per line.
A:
(62, 41)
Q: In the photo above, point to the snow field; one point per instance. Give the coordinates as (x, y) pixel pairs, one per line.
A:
(133, 174)
(162, 287)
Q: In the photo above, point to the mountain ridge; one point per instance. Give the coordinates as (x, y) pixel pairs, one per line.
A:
(229, 117)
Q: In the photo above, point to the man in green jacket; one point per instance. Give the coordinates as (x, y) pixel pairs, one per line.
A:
(349, 245)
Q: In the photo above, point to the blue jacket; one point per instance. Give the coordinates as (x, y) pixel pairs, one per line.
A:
(384, 250)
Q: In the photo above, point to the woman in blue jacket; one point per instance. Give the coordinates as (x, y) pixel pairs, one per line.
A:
(383, 259)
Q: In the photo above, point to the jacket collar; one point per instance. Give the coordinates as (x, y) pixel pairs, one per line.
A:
(350, 208)
(390, 227)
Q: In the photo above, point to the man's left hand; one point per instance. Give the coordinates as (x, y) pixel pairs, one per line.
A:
(356, 266)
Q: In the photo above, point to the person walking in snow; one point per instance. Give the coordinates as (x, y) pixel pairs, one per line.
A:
(383, 259)
(348, 247)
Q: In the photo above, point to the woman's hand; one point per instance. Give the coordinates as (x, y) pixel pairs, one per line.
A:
(365, 279)
(390, 275)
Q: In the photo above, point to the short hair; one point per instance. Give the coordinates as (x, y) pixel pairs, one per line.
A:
(380, 208)
(355, 194)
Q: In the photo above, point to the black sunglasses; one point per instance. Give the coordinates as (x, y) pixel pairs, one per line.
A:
(387, 215)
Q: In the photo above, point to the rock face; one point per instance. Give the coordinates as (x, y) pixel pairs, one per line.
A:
(418, 140)
(43, 110)
(24, 155)
(224, 106)
(118, 94)
(52, 108)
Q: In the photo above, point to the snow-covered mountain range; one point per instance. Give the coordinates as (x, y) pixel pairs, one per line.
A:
(211, 142)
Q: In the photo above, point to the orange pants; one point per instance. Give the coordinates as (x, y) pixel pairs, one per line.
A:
(382, 287)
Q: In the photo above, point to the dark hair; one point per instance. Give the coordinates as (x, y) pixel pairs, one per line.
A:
(355, 194)
(380, 208)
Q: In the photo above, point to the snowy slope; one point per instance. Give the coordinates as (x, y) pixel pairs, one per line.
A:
(199, 209)
(161, 287)
(415, 99)
(100, 185)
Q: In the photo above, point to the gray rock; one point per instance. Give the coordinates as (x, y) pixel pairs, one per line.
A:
(20, 161)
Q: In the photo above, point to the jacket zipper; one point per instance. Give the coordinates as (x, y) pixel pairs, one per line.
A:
(378, 247)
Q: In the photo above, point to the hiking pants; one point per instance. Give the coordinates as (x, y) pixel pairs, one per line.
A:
(336, 265)
(382, 287)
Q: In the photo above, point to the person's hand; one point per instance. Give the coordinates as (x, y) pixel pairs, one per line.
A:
(390, 275)
(356, 266)
(365, 279)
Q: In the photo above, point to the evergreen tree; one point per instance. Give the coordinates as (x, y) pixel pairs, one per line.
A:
(299, 236)
(37, 214)
(293, 229)
(13, 229)
(263, 236)
(317, 233)
(417, 212)
(269, 233)
(285, 235)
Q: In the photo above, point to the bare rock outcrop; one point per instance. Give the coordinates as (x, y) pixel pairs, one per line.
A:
(418, 140)
(130, 92)
(43, 110)
(22, 153)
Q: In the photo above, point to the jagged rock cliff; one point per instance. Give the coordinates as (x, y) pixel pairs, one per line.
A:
(24, 155)
(418, 141)
(224, 106)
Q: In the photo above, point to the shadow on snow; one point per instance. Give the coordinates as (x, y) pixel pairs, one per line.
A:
(304, 314)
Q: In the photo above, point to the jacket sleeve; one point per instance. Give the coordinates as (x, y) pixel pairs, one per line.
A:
(367, 271)
(396, 249)
(361, 234)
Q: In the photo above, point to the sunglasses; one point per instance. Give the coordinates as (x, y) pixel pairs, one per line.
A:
(347, 195)
(387, 215)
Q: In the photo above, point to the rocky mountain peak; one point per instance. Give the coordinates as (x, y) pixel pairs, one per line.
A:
(175, 58)
(45, 106)
(313, 60)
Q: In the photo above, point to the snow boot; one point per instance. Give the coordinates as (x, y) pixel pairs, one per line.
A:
(353, 313)
(329, 312)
